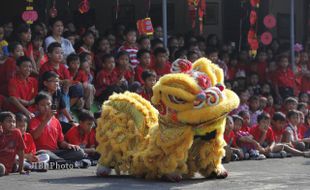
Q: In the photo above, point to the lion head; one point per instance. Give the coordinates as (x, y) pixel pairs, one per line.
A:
(194, 94)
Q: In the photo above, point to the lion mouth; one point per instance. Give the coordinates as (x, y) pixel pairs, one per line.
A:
(207, 136)
(208, 122)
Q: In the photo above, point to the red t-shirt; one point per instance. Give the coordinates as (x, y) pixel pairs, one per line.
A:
(230, 139)
(162, 70)
(128, 74)
(50, 136)
(104, 79)
(245, 128)
(138, 74)
(8, 71)
(260, 68)
(257, 133)
(25, 89)
(285, 78)
(270, 109)
(10, 144)
(302, 129)
(278, 134)
(80, 76)
(146, 94)
(30, 146)
(62, 71)
(73, 136)
(305, 84)
(132, 51)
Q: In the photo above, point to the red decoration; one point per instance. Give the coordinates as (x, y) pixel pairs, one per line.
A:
(197, 7)
(254, 44)
(30, 16)
(266, 38)
(145, 26)
(84, 6)
(270, 21)
(255, 3)
(253, 17)
(53, 11)
(204, 81)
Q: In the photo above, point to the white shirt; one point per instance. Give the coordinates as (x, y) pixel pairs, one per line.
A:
(65, 45)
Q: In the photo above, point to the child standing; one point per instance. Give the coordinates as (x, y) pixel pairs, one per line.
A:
(130, 46)
(12, 144)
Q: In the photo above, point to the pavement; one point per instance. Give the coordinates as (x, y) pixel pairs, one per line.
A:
(270, 174)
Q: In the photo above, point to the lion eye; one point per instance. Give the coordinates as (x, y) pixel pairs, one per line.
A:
(176, 100)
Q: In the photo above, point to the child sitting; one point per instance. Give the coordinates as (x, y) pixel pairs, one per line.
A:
(254, 109)
(232, 151)
(246, 141)
(278, 127)
(84, 134)
(12, 144)
(149, 78)
(33, 161)
(246, 120)
(161, 64)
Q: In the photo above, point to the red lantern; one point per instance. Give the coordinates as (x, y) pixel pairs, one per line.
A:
(145, 26)
(251, 35)
(30, 16)
(254, 44)
(253, 17)
(266, 38)
(270, 21)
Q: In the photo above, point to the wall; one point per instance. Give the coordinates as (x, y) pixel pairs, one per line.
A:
(283, 6)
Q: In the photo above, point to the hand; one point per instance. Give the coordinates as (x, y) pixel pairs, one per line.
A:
(33, 158)
(30, 115)
(74, 147)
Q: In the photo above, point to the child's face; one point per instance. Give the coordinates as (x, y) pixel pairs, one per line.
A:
(244, 96)
(109, 64)
(104, 45)
(279, 125)
(57, 55)
(304, 58)
(254, 105)
(111, 39)
(22, 125)
(44, 106)
(123, 61)
(266, 89)
(229, 125)
(89, 40)
(263, 103)
(283, 63)
(291, 106)
(74, 65)
(193, 57)
(246, 118)
(264, 124)
(161, 58)
(145, 59)
(18, 51)
(25, 68)
(146, 44)
(8, 124)
(131, 37)
(294, 119)
(237, 125)
(37, 43)
(72, 39)
(86, 125)
(270, 100)
(301, 117)
(25, 36)
(254, 79)
(213, 57)
(304, 98)
(297, 58)
(85, 66)
(150, 82)
(272, 66)
(52, 84)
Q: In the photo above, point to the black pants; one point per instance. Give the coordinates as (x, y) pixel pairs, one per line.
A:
(63, 155)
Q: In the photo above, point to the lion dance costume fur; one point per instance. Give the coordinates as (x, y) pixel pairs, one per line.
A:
(182, 136)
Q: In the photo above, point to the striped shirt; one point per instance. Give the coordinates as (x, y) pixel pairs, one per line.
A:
(132, 51)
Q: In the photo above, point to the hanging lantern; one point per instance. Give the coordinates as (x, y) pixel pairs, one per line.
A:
(270, 21)
(145, 26)
(255, 3)
(266, 38)
(253, 17)
(29, 15)
(53, 11)
(84, 6)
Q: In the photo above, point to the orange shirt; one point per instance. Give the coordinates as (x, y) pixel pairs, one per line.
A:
(50, 136)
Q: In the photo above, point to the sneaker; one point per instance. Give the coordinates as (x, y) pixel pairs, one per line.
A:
(234, 157)
(94, 162)
(84, 163)
(246, 156)
(260, 157)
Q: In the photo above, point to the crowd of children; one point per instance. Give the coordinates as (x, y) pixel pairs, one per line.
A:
(53, 81)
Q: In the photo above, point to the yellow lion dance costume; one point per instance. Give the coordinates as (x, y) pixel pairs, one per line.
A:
(183, 135)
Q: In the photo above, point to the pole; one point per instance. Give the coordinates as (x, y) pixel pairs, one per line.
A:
(164, 6)
(293, 34)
